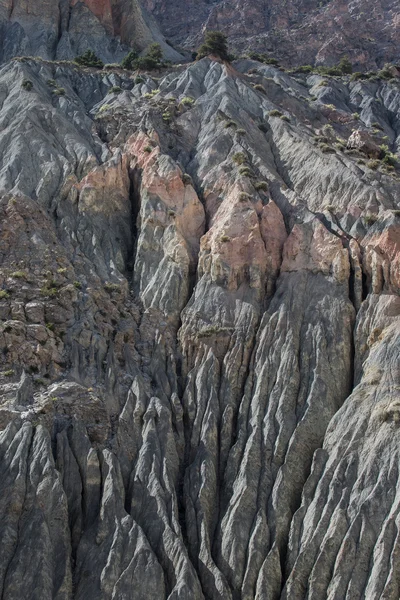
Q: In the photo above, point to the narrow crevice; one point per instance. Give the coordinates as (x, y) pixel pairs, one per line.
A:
(135, 178)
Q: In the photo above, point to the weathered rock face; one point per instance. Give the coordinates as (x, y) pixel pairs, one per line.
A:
(300, 32)
(297, 32)
(67, 28)
(199, 336)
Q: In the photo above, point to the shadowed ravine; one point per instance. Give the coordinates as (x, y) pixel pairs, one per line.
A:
(199, 336)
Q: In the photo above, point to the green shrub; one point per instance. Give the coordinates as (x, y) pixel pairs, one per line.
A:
(4, 295)
(356, 116)
(241, 132)
(51, 83)
(215, 43)
(387, 157)
(139, 80)
(59, 92)
(245, 172)
(261, 186)
(326, 149)
(230, 123)
(225, 238)
(9, 373)
(148, 149)
(128, 62)
(373, 164)
(303, 69)
(27, 85)
(239, 158)
(115, 89)
(146, 63)
(285, 118)
(187, 180)
(111, 287)
(263, 127)
(89, 59)
(260, 88)
(244, 197)
(49, 291)
(78, 285)
(275, 113)
(386, 72)
(187, 101)
(345, 66)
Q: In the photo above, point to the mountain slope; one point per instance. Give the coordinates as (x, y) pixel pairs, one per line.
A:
(295, 32)
(67, 28)
(200, 334)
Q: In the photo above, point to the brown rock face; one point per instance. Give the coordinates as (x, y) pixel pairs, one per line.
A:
(298, 32)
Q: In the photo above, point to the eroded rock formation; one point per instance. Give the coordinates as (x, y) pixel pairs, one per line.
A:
(199, 335)
(64, 29)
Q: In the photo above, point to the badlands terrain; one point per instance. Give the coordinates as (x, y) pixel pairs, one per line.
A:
(199, 335)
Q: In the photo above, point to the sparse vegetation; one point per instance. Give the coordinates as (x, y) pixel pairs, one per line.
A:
(111, 287)
(225, 238)
(129, 61)
(27, 85)
(89, 59)
(387, 157)
(260, 88)
(275, 113)
(153, 59)
(215, 43)
(239, 158)
(187, 180)
(187, 101)
(49, 291)
(244, 197)
(326, 149)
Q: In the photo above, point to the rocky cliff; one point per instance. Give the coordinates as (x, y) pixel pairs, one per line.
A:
(64, 29)
(294, 31)
(199, 302)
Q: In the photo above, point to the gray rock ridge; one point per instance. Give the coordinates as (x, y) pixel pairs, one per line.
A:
(199, 335)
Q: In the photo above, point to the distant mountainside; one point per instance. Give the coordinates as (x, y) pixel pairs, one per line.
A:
(64, 28)
(296, 31)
